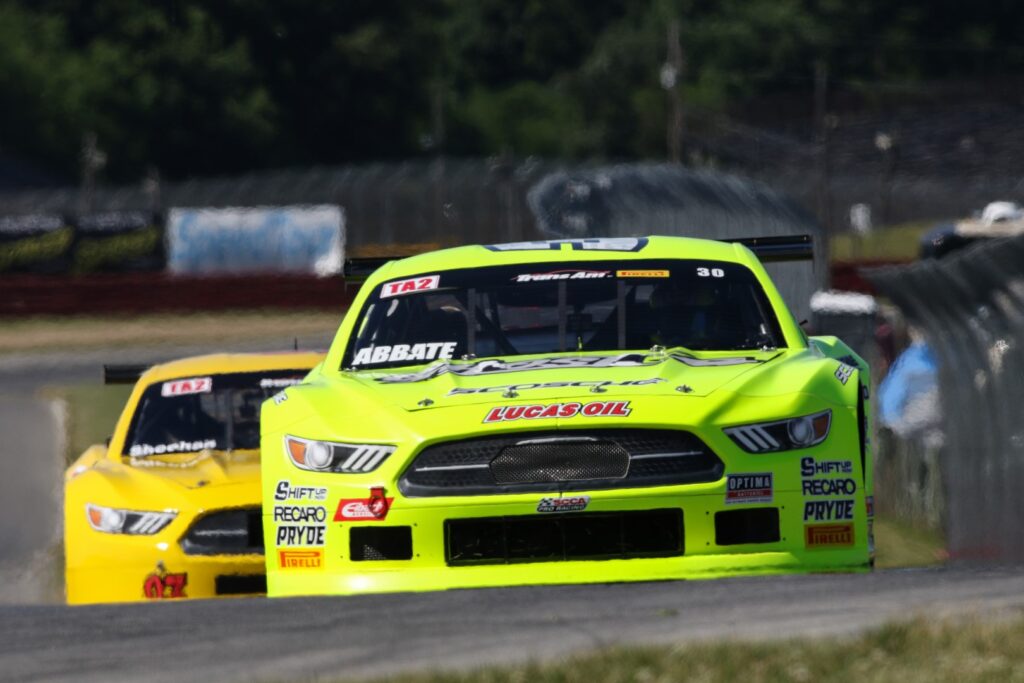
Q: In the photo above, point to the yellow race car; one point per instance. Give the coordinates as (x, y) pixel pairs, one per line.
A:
(170, 507)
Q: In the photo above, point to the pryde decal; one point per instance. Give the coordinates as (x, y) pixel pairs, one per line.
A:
(385, 353)
(569, 504)
(502, 388)
(748, 488)
(496, 366)
(184, 387)
(828, 510)
(572, 409)
(303, 525)
(563, 275)
(417, 284)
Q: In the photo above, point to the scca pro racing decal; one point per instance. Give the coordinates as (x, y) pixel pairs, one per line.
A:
(300, 559)
(818, 536)
(374, 355)
(183, 387)
(828, 510)
(602, 383)
(416, 284)
(749, 488)
(161, 585)
(563, 275)
(570, 504)
(542, 411)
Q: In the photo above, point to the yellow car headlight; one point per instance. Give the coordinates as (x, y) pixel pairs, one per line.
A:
(782, 435)
(130, 522)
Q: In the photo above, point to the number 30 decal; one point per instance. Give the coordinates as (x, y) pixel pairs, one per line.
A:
(710, 272)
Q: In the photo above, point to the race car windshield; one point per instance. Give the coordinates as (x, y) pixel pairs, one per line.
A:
(191, 414)
(505, 311)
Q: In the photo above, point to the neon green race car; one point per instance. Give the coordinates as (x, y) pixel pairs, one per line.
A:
(618, 409)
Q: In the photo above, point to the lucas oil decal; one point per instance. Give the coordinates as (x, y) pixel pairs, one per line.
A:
(385, 353)
(541, 411)
(569, 504)
(749, 488)
(416, 284)
(183, 387)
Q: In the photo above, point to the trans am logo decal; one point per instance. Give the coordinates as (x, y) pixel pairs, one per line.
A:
(541, 411)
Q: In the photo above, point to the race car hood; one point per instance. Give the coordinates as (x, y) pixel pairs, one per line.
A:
(203, 470)
(442, 385)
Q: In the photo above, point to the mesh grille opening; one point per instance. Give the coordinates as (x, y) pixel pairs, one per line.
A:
(225, 532)
(755, 525)
(564, 460)
(369, 544)
(559, 538)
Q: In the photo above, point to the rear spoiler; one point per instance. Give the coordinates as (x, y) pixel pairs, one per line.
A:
(780, 248)
(123, 374)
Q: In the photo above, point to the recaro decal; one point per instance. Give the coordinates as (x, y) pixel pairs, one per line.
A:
(564, 410)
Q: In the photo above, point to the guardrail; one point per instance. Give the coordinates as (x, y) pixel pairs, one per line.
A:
(970, 470)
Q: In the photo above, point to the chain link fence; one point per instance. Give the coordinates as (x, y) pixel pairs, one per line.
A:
(969, 471)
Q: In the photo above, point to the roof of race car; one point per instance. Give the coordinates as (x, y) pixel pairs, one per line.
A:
(542, 251)
(220, 363)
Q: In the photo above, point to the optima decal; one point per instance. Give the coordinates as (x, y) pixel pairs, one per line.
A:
(183, 387)
(570, 504)
(543, 411)
(749, 488)
(416, 284)
(502, 388)
(373, 355)
(563, 275)
(300, 559)
(828, 536)
(828, 510)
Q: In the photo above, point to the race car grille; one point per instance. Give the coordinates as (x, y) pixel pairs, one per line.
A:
(568, 460)
(560, 538)
(225, 532)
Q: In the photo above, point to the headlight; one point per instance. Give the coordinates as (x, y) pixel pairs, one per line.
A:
(782, 435)
(131, 522)
(324, 456)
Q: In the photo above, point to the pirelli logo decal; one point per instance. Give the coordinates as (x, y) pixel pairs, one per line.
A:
(301, 559)
(820, 536)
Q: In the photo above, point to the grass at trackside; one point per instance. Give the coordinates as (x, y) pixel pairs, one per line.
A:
(901, 545)
(54, 333)
(897, 243)
(92, 411)
(917, 651)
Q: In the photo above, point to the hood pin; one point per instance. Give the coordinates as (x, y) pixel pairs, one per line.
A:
(425, 403)
(684, 388)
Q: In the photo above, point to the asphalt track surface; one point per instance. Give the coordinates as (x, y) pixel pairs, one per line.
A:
(356, 638)
(362, 637)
